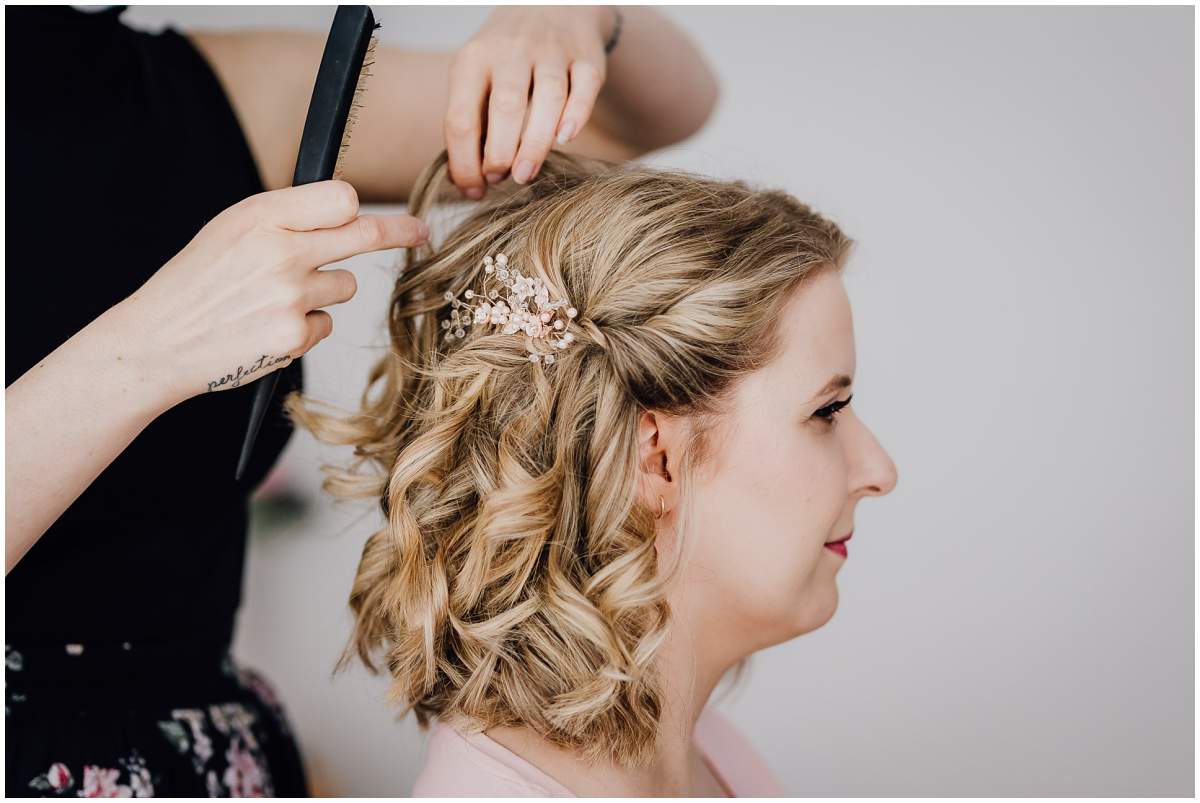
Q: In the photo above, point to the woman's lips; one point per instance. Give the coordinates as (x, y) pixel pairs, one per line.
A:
(839, 546)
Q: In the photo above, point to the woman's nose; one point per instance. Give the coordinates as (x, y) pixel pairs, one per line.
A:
(875, 473)
(886, 475)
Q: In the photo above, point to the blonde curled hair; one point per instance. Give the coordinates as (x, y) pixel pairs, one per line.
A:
(516, 581)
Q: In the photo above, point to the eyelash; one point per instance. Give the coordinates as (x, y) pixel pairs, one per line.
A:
(829, 413)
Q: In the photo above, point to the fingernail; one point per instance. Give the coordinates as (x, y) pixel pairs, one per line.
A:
(522, 171)
(475, 193)
(566, 132)
(494, 178)
(422, 230)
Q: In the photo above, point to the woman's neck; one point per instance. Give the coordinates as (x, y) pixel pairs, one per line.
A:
(677, 768)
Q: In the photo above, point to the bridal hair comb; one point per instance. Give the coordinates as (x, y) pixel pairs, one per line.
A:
(505, 302)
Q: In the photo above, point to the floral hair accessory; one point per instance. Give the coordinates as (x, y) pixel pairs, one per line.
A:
(506, 302)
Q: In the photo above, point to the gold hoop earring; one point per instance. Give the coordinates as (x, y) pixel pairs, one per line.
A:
(662, 507)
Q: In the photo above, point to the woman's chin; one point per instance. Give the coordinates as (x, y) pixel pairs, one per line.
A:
(784, 623)
(817, 608)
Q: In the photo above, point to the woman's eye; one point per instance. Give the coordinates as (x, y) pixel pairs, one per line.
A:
(829, 412)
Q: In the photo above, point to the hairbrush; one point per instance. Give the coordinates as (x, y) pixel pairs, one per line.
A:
(341, 79)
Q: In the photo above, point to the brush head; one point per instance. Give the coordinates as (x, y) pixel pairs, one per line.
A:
(337, 92)
(355, 105)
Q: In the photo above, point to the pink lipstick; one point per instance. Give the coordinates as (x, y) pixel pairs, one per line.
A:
(839, 546)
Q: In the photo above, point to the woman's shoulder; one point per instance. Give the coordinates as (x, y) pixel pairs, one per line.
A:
(460, 764)
(464, 764)
(732, 757)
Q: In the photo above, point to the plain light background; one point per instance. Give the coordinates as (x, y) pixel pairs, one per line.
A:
(1017, 617)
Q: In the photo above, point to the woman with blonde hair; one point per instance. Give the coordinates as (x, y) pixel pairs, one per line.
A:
(612, 446)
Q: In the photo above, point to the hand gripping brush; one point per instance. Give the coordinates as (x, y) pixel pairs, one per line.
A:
(341, 79)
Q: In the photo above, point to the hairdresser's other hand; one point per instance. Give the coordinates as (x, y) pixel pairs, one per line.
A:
(244, 297)
(527, 79)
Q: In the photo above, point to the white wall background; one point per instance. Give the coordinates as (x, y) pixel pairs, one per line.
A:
(1018, 617)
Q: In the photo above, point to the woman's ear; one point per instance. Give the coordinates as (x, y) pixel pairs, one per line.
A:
(659, 442)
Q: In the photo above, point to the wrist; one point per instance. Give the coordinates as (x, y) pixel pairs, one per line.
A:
(140, 353)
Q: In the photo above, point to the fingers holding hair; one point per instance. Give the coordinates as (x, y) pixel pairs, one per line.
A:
(587, 77)
(507, 103)
(545, 110)
(463, 125)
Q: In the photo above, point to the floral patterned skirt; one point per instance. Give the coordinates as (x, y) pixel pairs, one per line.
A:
(143, 720)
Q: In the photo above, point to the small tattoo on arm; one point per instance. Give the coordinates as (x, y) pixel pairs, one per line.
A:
(243, 371)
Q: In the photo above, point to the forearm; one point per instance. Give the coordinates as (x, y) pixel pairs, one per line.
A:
(659, 89)
(67, 419)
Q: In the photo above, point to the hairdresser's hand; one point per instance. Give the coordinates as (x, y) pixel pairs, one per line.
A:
(244, 297)
(555, 53)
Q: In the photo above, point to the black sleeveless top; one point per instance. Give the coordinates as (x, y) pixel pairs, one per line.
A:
(121, 146)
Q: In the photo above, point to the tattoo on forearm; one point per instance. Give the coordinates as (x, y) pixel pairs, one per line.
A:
(243, 371)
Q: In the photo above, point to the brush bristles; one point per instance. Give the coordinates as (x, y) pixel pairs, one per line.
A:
(355, 105)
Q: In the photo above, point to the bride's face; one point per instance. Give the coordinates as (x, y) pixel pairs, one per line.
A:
(782, 480)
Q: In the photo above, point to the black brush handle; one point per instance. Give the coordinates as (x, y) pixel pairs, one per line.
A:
(332, 97)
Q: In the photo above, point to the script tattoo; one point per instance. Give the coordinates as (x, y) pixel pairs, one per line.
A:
(243, 371)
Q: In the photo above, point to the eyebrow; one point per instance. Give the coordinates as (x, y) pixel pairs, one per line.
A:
(836, 383)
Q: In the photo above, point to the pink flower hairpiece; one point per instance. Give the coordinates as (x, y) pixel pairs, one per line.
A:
(505, 302)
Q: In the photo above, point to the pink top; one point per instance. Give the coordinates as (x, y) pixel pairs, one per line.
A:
(475, 765)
